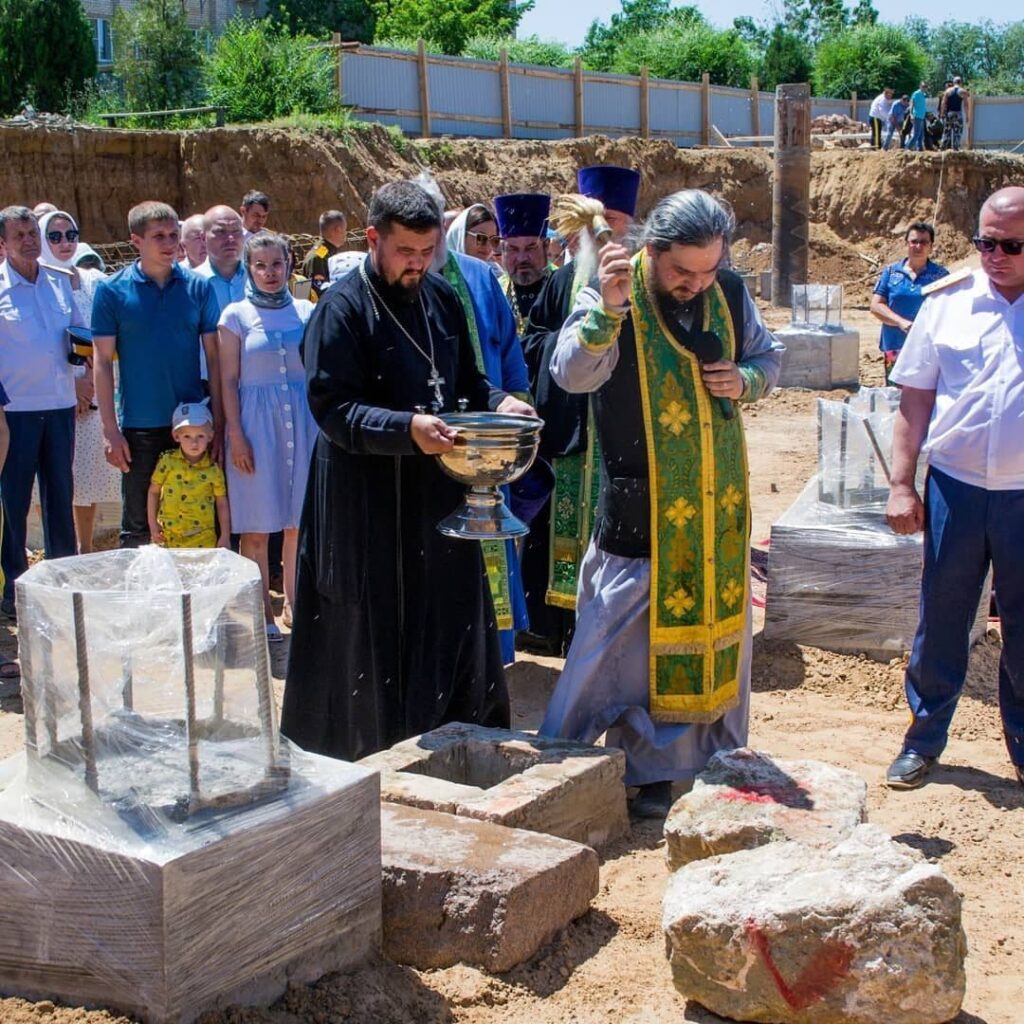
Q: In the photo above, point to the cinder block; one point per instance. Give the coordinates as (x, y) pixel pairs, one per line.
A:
(230, 911)
(517, 779)
(457, 890)
(819, 359)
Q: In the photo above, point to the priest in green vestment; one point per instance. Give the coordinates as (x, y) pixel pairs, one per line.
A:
(670, 345)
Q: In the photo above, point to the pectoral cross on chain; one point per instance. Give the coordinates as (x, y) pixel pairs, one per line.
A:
(435, 380)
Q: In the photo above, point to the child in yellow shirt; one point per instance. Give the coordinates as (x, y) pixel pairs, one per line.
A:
(187, 486)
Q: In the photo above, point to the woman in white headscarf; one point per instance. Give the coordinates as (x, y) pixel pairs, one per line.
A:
(95, 479)
(475, 233)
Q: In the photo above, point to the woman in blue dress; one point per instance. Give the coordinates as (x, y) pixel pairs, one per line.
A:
(270, 431)
(898, 297)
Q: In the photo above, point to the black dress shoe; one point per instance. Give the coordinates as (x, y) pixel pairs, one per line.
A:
(1019, 769)
(653, 801)
(908, 771)
(9, 609)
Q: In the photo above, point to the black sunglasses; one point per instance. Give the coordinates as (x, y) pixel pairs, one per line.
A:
(55, 236)
(1010, 246)
(481, 239)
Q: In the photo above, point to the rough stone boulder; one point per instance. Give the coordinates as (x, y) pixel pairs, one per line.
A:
(864, 933)
(459, 890)
(744, 798)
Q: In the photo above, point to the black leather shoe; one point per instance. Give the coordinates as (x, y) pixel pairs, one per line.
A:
(1019, 769)
(9, 609)
(908, 771)
(653, 801)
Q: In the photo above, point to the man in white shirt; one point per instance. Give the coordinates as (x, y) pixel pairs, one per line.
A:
(878, 115)
(36, 308)
(962, 374)
(193, 241)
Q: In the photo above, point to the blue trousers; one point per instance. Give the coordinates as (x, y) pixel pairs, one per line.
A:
(43, 444)
(966, 529)
(917, 139)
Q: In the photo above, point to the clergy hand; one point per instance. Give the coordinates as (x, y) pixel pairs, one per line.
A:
(516, 407)
(613, 274)
(723, 379)
(431, 435)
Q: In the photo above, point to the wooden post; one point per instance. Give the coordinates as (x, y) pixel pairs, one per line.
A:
(755, 107)
(853, 107)
(791, 191)
(421, 51)
(705, 109)
(336, 42)
(645, 103)
(506, 95)
(971, 102)
(578, 95)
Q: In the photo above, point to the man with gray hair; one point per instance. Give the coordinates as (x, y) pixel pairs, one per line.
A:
(666, 343)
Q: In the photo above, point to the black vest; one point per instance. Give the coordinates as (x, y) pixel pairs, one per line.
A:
(623, 523)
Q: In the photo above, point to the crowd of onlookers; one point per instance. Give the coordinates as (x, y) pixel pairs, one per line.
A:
(906, 122)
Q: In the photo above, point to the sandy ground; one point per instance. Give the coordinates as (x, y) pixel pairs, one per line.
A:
(610, 966)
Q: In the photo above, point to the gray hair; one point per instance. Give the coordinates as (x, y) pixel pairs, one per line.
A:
(9, 213)
(690, 217)
(265, 240)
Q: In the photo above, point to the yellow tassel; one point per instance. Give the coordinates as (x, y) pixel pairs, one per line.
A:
(571, 213)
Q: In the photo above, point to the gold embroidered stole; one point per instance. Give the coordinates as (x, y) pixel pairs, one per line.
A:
(700, 518)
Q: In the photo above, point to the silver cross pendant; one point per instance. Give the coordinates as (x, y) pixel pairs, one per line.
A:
(435, 380)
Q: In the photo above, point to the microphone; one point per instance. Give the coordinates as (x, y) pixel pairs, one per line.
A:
(707, 347)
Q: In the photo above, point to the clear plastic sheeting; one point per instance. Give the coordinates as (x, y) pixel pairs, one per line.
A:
(838, 577)
(145, 675)
(818, 305)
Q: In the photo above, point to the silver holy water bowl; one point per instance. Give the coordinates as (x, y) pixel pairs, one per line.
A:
(490, 449)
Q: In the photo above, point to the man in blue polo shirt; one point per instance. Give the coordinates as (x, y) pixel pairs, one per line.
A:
(151, 316)
(918, 109)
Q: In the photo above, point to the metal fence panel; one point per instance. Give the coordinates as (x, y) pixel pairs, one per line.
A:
(730, 112)
(612, 107)
(546, 103)
(473, 90)
(999, 124)
(821, 107)
(381, 83)
(675, 113)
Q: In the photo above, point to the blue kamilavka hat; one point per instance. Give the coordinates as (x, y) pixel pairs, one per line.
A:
(616, 187)
(522, 214)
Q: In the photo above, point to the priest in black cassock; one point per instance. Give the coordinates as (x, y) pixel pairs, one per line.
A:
(394, 630)
(551, 603)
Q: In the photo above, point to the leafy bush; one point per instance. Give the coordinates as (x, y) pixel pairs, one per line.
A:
(866, 59)
(530, 50)
(157, 57)
(354, 19)
(685, 52)
(446, 24)
(787, 58)
(46, 54)
(257, 73)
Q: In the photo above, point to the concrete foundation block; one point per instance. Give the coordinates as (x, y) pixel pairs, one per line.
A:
(459, 890)
(819, 359)
(558, 787)
(867, 932)
(744, 799)
(243, 905)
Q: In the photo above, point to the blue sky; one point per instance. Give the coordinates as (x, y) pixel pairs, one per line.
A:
(568, 20)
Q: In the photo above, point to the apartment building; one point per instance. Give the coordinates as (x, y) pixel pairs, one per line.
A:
(212, 15)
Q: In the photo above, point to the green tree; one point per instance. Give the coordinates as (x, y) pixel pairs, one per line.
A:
(602, 42)
(529, 50)
(257, 72)
(46, 53)
(354, 19)
(959, 48)
(787, 58)
(685, 52)
(814, 20)
(866, 59)
(447, 24)
(157, 56)
(863, 13)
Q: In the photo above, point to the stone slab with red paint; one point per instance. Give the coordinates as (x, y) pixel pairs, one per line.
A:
(745, 798)
(866, 932)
